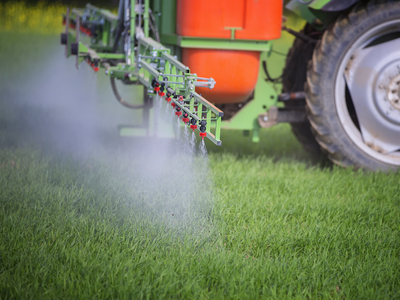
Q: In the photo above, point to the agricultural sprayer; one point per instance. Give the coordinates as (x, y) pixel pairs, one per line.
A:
(339, 89)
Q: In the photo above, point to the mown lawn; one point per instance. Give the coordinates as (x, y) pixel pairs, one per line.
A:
(115, 222)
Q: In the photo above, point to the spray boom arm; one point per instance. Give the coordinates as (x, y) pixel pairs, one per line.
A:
(122, 45)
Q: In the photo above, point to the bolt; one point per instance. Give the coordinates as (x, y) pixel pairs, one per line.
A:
(265, 118)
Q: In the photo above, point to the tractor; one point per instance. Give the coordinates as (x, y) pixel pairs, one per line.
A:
(339, 88)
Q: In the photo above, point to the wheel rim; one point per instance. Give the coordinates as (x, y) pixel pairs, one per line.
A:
(373, 82)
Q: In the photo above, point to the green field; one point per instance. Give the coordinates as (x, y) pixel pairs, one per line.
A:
(84, 215)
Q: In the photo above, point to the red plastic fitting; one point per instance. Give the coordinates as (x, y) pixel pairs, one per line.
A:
(96, 69)
(185, 120)
(173, 104)
(180, 98)
(194, 127)
(168, 99)
(203, 134)
(178, 113)
(162, 94)
(156, 89)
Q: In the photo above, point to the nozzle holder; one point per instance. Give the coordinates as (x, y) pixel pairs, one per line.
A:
(185, 120)
(162, 94)
(64, 38)
(203, 135)
(194, 127)
(173, 104)
(178, 113)
(168, 99)
(74, 48)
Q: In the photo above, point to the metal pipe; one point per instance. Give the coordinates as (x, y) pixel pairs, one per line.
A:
(127, 44)
(121, 11)
(140, 13)
(146, 18)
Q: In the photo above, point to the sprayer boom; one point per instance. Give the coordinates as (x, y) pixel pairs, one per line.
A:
(123, 47)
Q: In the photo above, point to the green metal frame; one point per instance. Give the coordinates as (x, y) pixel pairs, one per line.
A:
(152, 62)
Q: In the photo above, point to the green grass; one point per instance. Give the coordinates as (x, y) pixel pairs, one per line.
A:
(277, 229)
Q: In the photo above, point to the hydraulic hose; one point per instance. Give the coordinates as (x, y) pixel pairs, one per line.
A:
(122, 101)
(300, 35)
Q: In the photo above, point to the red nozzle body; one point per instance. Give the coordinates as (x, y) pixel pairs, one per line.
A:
(203, 134)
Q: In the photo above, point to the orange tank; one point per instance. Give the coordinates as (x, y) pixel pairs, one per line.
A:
(234, 71)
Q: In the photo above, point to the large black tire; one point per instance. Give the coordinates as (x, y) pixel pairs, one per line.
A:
(294, 77)
(330, 55)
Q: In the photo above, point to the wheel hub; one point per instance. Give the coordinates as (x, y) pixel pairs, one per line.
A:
(387, 92)
(393, 93)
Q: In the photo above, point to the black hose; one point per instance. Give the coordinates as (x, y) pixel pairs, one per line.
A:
(122, 101)
(152, 23)
(269, 78)
(118, 36)
(300, 35)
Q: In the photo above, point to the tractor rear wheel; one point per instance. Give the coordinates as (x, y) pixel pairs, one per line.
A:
(294, 77)
(353, 88)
